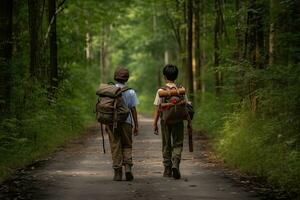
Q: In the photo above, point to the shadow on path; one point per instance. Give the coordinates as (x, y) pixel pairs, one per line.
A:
(82, 171)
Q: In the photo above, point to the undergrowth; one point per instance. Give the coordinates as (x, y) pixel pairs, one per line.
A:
(40, 124)
(265, 142)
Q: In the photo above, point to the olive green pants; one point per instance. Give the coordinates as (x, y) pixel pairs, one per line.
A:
(172, 142)
(121, 145)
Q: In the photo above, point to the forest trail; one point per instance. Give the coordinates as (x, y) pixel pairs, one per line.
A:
(82, 171)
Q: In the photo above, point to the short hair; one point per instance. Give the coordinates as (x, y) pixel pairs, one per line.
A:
(170, 72)
(121, 75)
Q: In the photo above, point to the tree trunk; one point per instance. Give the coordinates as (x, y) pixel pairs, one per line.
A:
(88, 44)
(197, 49)
(256, 46)
(238, 48)
(295, 32)
(217, 37)
(183, 36)
(104, 52)
(53, 46)
(6, 9)
(33, 14)
(203, 51)
(189, 61)
(103, 58)
(155, 53)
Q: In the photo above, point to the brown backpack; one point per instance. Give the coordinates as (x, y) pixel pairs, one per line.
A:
(174, 107)
(110, 108)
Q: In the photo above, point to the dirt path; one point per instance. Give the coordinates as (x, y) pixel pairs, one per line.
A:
(82, 171)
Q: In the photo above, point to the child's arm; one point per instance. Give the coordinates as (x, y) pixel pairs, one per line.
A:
(135, 119)
(156, 117)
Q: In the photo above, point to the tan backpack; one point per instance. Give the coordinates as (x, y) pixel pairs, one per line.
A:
(110, 108)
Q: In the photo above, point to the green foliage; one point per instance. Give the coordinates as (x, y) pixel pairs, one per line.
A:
(257, 145)
(265, 143)
(137, 34)
(264, 140)
(40, 125)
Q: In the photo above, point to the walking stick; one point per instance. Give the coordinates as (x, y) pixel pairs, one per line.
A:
(191, 147)
(102, 134)
(190, 132)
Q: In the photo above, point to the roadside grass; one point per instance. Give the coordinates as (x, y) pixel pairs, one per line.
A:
(40, 125)
(260, 144)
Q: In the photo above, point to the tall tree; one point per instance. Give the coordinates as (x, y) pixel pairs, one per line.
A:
(176, 15)
(88, 45)
(34, 20)
(6, 9)
(255, 49)
(53, 45)
(105, 32)
(239, 46)
(271, 33)
(197, 49)
(189, 46)
(219, 30)
(255, 44)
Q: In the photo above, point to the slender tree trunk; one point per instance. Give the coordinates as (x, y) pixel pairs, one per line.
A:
(157, 56)
(103, 57)
(33, 14)
(217, 38)
(6, 9)
(88, 45)
(189, 63)
(271, 44)
(294, 29)
(238, 31)
(53, 46)
(260, 49)
(203, 51)
(184, 43)
(105, 32)
(155, 53)
(256, 46)
(197, 50)
(238, 48)
(271, 34)
(250, 50)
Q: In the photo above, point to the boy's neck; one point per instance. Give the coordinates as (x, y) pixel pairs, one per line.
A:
(120, 83)
(168, 81)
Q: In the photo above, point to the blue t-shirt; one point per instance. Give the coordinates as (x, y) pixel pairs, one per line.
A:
(130, 100)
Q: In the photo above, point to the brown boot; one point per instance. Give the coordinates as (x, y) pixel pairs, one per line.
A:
(118, 174)
(128, 173)
(167, 172)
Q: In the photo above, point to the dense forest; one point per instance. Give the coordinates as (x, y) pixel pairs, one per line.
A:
(239, 61)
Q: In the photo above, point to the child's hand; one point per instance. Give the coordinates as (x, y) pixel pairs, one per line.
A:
(155, 128)
(135, 130)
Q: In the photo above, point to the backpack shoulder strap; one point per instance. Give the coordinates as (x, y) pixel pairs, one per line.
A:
(124, 89)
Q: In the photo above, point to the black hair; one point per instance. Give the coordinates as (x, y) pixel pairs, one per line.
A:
(170, 72)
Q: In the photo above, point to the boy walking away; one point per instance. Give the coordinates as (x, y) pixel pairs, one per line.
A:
(121, 122)
(170, 106)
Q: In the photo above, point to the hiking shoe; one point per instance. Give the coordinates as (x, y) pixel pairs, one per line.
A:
(118, 174)
(128, 173)
(167, 172)
(176, 173)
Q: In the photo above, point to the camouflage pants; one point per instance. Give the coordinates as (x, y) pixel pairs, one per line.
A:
(172, 142)
(121, 145)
